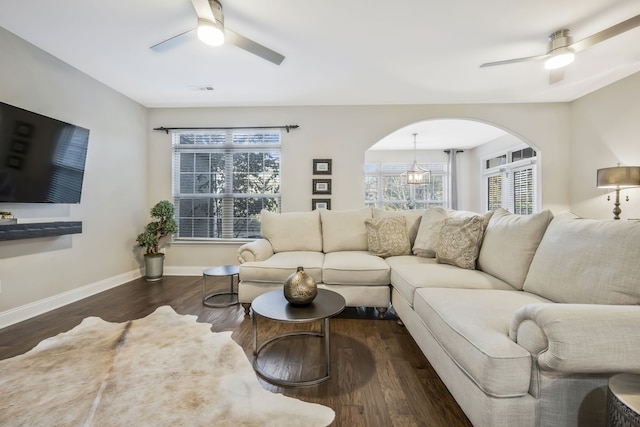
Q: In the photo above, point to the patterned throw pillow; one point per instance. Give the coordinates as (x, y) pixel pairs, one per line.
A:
(459, 242)
(388, 236)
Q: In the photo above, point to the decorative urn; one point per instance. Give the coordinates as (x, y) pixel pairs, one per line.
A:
(300, 288)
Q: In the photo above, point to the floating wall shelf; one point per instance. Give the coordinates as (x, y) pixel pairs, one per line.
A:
(39, 229)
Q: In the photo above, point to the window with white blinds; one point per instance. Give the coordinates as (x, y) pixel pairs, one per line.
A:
(385, 189)
(223, 179)
(510, 181)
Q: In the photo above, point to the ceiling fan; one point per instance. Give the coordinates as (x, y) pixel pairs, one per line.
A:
(211, 30)
(561, 49)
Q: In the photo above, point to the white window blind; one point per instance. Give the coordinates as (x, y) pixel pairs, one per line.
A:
(223, 179)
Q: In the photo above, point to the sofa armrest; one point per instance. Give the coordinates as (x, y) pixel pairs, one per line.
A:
(580, 338)
(258, 250)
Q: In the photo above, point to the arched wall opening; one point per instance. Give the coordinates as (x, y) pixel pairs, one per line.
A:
(486, 154)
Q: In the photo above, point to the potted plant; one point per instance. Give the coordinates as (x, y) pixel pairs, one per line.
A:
(7, 218)
(163, 226)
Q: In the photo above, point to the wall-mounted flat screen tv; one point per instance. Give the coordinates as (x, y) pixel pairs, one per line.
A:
(41, 159)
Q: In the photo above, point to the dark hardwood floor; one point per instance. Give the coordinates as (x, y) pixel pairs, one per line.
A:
(379, 375)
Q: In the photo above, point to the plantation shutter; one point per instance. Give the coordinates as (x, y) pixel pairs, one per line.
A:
(494, 189)
(523, 191)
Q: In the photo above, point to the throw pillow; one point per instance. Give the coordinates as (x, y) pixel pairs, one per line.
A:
(388, 236)
(429, 231)
(413, 218)
(459, 241)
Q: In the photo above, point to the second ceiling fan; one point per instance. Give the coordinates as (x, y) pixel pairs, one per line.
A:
(561, 48)
(211, 30)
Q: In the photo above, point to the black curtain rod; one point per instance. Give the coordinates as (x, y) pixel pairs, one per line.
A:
(288, 128)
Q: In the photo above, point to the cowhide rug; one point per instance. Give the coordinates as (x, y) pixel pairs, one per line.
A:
(165, 369)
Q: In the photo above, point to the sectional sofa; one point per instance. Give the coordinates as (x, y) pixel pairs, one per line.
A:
(523, 317)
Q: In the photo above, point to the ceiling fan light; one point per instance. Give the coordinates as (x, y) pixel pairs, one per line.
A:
(211, 33)
(560, 57)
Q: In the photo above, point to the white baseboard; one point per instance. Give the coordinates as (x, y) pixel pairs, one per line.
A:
(36, 308)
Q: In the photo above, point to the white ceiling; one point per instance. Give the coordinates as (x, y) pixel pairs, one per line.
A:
(440, 134)
(348, 52)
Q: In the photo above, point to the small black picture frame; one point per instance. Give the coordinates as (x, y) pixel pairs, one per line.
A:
(14, 162)
(23, 129)
(322, 166)
(321, 204)
(19, 146)
(321, 186)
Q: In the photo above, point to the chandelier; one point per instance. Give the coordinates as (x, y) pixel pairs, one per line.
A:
(416, 175)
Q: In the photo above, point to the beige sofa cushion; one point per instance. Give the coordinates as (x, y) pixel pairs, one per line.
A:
(472, 326)
(409, 273)
(509, 243)
(587, 261)
(459, 241)
(354, 268)
(387, 236)
(281, 265)
(295, 231)
(412, 217)
(344, 230)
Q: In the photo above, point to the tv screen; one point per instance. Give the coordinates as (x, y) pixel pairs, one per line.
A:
(41, 159)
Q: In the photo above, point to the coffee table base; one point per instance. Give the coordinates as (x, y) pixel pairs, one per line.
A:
(325, 332)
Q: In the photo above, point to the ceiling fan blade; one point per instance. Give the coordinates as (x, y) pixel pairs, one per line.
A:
(171, 42)
(603, 35)
(253, 47)
(511, 61)
(203, 9)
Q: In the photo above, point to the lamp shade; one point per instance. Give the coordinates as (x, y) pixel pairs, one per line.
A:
(619, 177)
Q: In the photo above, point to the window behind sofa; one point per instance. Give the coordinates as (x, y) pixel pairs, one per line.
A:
(510, 181)
(385, 188)
(222, 179)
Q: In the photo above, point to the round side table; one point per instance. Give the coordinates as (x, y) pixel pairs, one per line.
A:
(220, 299)
(623, 401)
(273, 305)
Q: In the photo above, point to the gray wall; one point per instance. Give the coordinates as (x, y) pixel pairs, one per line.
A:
(42, 272)
(605, 132)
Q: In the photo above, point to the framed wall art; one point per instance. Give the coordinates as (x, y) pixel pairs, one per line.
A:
(321, 186)
(322, 166)
(320, 204)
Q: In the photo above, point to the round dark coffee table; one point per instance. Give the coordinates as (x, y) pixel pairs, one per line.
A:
(273, 305)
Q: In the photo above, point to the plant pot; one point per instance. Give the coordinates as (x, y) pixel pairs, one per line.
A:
(153, 267)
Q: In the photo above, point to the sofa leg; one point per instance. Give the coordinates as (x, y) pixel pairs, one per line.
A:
(247, 308)
(400, 322)
(381, 312)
